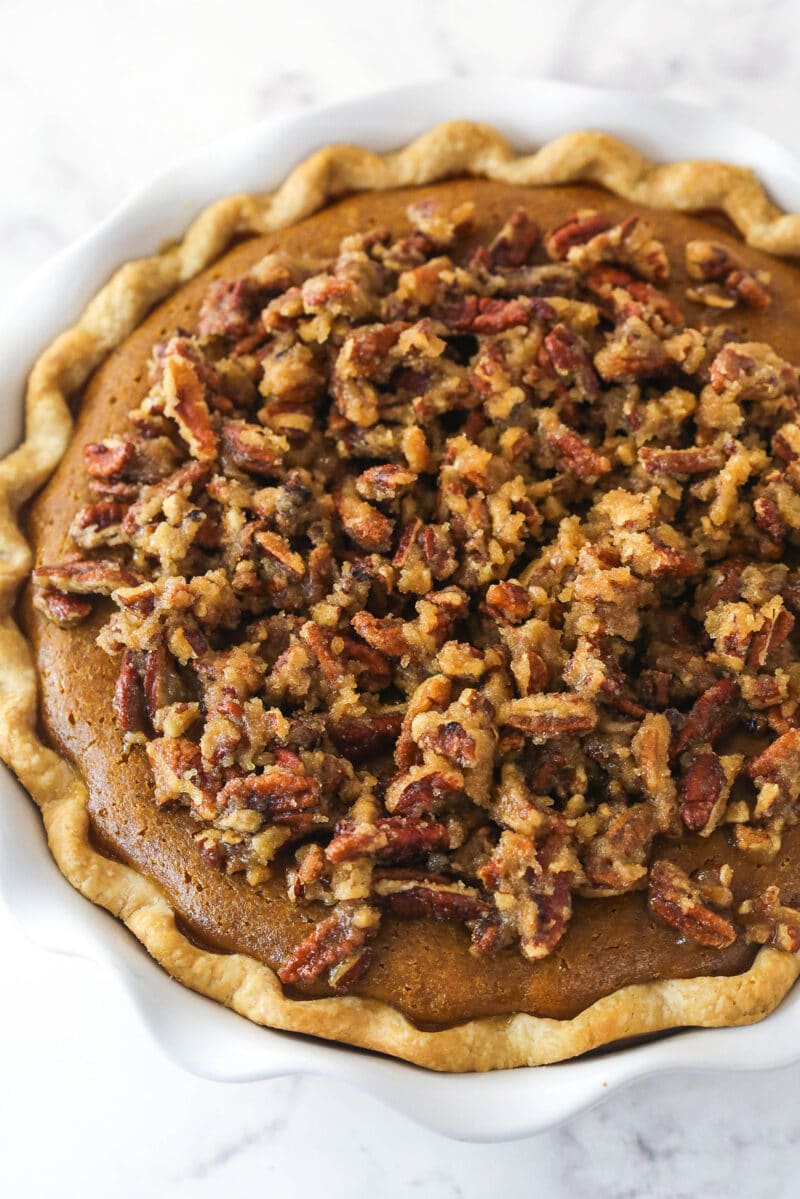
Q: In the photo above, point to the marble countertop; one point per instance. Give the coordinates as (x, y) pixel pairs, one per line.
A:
(95, 98)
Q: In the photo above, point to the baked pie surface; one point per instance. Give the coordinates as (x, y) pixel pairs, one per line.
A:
(614, 954)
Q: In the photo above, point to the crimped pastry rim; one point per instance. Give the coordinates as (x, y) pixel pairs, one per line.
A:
(241, 982)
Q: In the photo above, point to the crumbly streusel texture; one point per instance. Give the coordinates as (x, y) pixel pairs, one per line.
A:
(401, 553)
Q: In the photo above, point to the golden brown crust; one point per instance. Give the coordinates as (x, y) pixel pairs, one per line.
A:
(246, 985)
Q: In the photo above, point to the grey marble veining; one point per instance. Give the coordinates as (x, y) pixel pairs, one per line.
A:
(95, 98)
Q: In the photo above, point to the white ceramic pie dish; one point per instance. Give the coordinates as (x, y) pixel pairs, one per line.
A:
(195, 1032)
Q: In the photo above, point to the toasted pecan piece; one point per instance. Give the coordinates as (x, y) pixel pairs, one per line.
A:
(571, 451)
(436, 900)
(769, 921)
(393, 838)
(364, 524)
(129, 705)
(185, 401)
(615, 858)
(515, 242)
(705, 790)
(712, 712)
(91, 576)
(282, 794)
(776, 773)
(422, 789)
(252, 448)
(107, 459)
(650, 748)
(541, 717)
(676, 900)
(698, 460)
(61, 608)
(339, 940)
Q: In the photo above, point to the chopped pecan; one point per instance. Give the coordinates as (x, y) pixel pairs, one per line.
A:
(533, 881)
(393, 838)
(541, 717)
(509, 602)
(570, 450)
(482, 314)
(676, 900)
(421, 789)
(284, 795)
(382, 484)
(515, 242)
(386, 633)
(367, 526)
(360, 738)
(98, 524)
(162, 685)
(340, 938)
(439, 901)
(696, 461)
(704, 791)
(713, 712)
(253, 449)
(632, 351)
(589, 238)
(129, 699)
(577, 230)
(61, 608)
(760, 844)
(92, 576)
(768, 921)
(768, 518)
(185, 401)
(433, 694)
(776, 626)
(179, 773)
(107, 459)
(453, 741)
(776, 773)
(722, 278)
(615, 858)
(650, 748)
(572, 360)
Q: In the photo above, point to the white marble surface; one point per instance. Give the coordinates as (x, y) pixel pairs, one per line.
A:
(94, 98)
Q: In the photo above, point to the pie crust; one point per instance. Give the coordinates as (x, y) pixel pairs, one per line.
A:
(239, 981)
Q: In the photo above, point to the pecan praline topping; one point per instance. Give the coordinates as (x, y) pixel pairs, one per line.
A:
(443, 579)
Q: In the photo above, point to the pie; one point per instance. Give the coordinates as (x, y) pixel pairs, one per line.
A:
(410, 654)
